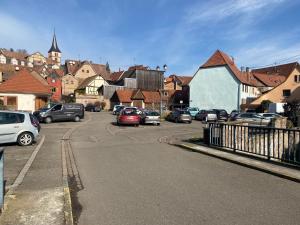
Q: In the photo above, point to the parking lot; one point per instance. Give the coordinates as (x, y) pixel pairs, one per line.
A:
(132, 175)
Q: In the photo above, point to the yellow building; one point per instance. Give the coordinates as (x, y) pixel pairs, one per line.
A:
(283, 91)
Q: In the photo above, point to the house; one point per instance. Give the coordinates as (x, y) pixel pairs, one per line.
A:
(137, 98)
(36, 58)
(13, 57)
(25, 90)
(289, 81)
(218, 83)
(175, 82)
(54, 79)
(141, 77)
(78, 71)
(87, 91)
(69, 84)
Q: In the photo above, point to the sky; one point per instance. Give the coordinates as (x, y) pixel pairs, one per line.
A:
(182, 34)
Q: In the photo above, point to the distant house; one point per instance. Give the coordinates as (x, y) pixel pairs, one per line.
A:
(141, 77)
(218, 83)
(289, 75)
(87, 91)
(137, 98)
(54, 80)
(78, 71)
(13, 57)
(25, 90)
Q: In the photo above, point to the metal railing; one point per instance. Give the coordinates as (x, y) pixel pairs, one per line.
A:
(271, 143)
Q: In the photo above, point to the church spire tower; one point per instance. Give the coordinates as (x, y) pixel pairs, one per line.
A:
(54, 53)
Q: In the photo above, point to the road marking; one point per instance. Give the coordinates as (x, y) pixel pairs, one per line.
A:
(23, 172)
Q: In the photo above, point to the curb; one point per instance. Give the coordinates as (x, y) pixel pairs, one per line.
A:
(67, 195)
(264, 166)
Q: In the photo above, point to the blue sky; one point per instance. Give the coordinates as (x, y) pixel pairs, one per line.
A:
(179, 33)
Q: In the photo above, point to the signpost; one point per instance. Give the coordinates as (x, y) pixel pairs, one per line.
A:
(1, 178)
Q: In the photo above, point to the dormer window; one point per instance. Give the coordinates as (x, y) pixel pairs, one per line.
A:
(286, 92)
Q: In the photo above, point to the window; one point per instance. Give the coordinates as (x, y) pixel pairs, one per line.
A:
(82, 71)
(67, 81)
(286, 93)
(297, 78)
(53, 90)
(87, 71)
(56, 108)
(72, 82)
(9, 118)
(56, 54)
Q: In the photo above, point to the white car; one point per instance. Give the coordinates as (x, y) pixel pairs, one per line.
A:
(20, 127)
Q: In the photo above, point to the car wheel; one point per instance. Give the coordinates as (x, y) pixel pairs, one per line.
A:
(77, 119)
(25, 139)
(190, 121)
(158, 124)
(48, 120)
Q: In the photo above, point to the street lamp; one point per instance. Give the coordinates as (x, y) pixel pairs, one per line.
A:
(165, 67)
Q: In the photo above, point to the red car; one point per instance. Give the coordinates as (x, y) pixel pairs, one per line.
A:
(128, 117)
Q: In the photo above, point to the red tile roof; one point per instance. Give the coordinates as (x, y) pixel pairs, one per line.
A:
(26, 83)
(124, 95)
(283, 70)
(220, 58)
(115, 76)
(268, 79)
(151, 96)
(72, 66)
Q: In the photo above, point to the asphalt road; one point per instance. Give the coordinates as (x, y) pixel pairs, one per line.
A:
(130, 176)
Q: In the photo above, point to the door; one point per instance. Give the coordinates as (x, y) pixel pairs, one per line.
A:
(57, 112)
(40, 102)
(10, 124)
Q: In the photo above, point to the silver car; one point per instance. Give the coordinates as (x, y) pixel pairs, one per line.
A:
(252, 119)
(151, 117)
(20, 127)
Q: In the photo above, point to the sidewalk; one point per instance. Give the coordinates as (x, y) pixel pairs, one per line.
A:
(258, 164)
(39, 197)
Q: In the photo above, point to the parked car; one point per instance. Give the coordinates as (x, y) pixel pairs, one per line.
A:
(92, 108)
(128, 117)
(193, 111)
(20, 127)
(117, 108)
(207, 116)
(233, 114)
(270, 116)
(150, 117)
(252, 119)
(221, 114)
(61, 112)
(180, 116)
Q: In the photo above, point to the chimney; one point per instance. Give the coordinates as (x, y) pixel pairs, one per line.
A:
(248, 73)
(242, 69)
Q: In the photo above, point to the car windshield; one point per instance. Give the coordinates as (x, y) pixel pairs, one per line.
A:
(152, 113)
(193, 109)
(211, 112)
(129, 112)
(184, 112)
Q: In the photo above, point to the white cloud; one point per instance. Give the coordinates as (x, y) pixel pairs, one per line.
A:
(268, 52)
(219, 10)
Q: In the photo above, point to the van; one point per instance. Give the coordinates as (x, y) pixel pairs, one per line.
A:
(61, 112)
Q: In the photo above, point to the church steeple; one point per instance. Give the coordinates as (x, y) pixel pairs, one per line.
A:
(54, 53)
(54, 46)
